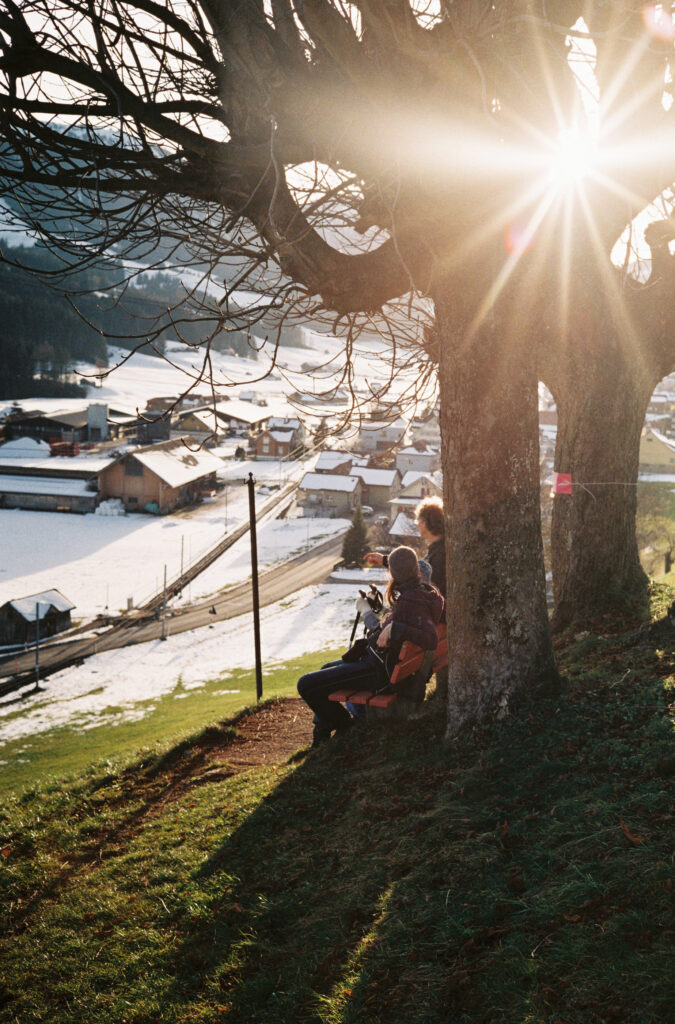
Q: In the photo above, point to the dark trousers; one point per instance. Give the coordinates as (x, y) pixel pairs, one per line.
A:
(315, 687)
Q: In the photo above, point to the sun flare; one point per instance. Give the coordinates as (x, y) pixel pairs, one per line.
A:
(572, 159)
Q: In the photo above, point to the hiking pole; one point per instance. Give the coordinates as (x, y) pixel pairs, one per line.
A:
(356, 622)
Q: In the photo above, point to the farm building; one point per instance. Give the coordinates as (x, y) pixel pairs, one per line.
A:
(160, 478)
(18, 618)
(49, 485)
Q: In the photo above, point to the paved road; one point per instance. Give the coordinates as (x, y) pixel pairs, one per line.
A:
(313, 566)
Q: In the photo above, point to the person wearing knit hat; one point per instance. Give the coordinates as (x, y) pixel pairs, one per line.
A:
(403, 564)
(416, 609)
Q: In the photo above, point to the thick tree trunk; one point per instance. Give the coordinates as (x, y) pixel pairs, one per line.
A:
(498, 627)
(601, 412)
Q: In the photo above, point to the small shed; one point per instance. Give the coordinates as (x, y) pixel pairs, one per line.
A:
(18, 618)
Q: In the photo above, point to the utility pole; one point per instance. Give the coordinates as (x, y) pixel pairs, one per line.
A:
(164, 608)
(254, 584)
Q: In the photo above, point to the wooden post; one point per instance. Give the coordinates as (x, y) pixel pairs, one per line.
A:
(164, 608)
(254, 584)
(37, 646)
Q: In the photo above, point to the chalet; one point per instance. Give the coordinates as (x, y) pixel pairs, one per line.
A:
(379, 485)
(657, 452)
(329, 495)
(419, 457)
(160, 478)
(238, 416)
(201, 424)
(414, 487)
(381, 435)
(18, 618)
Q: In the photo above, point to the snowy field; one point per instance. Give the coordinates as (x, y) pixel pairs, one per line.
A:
(101, 561)
(117, 686)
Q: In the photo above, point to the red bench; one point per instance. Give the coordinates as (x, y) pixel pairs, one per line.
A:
(411, 661)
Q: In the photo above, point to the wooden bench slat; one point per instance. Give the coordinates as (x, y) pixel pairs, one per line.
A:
(361, 697)
(341, 695)
(382, 700)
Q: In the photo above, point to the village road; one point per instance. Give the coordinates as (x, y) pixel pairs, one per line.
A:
(314, 566)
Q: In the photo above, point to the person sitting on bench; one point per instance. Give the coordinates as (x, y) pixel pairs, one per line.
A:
(417, 608)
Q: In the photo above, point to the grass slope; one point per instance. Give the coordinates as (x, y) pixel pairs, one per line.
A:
(522, 875)
(67, 749)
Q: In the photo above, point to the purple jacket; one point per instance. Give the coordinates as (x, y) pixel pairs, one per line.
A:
(417, 612)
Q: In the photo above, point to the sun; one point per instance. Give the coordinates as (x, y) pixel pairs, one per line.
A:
(572, 159)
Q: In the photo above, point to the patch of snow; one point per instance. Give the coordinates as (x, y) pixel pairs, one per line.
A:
(120, 686)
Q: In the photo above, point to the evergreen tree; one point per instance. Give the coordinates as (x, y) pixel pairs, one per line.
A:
(355, 544)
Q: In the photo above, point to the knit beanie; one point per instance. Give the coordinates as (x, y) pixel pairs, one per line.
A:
(403, 564)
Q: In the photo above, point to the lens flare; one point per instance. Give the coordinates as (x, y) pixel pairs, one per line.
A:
(519, 237)
(658, 22)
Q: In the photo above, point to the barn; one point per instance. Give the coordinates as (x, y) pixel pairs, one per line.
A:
(18, 618)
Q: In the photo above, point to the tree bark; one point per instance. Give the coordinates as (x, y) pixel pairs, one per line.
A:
(499, 637)
(595, 562)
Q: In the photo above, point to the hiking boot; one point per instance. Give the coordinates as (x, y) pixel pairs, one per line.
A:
(320, 735)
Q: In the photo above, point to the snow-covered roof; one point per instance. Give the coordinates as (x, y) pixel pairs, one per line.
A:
(412, 502)
(413, 476)
(328, 482)
(175, 464)
(284, 423)
(27, 607)
(24, 448)
(66, 486)
(667, 441)
(403, 526)
(375, 477)
(328, 460)
(59, 466)
(204, 418)
(246, 412)
(399, 425)
(425, 450)
(281, 435)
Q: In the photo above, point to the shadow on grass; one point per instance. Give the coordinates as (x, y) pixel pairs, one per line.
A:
(519, 875)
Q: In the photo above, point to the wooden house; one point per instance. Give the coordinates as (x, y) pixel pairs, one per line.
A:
(160, 478)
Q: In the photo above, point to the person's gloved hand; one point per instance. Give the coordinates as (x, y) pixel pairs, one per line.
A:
(369, 602)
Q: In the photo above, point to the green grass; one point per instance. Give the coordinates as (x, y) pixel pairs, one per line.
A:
(168, 719)
(520, 875)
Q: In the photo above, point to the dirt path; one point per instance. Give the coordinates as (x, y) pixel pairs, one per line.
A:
(271, 735)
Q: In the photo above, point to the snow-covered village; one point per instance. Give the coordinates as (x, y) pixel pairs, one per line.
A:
(337, 507)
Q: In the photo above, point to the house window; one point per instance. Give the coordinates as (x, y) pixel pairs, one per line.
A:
(265, 444)
(133, 468)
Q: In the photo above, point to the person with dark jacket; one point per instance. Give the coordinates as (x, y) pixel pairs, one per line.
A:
(416, 609)
(431, 527)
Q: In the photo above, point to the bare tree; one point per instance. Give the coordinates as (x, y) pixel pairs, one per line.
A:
(356, 159)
